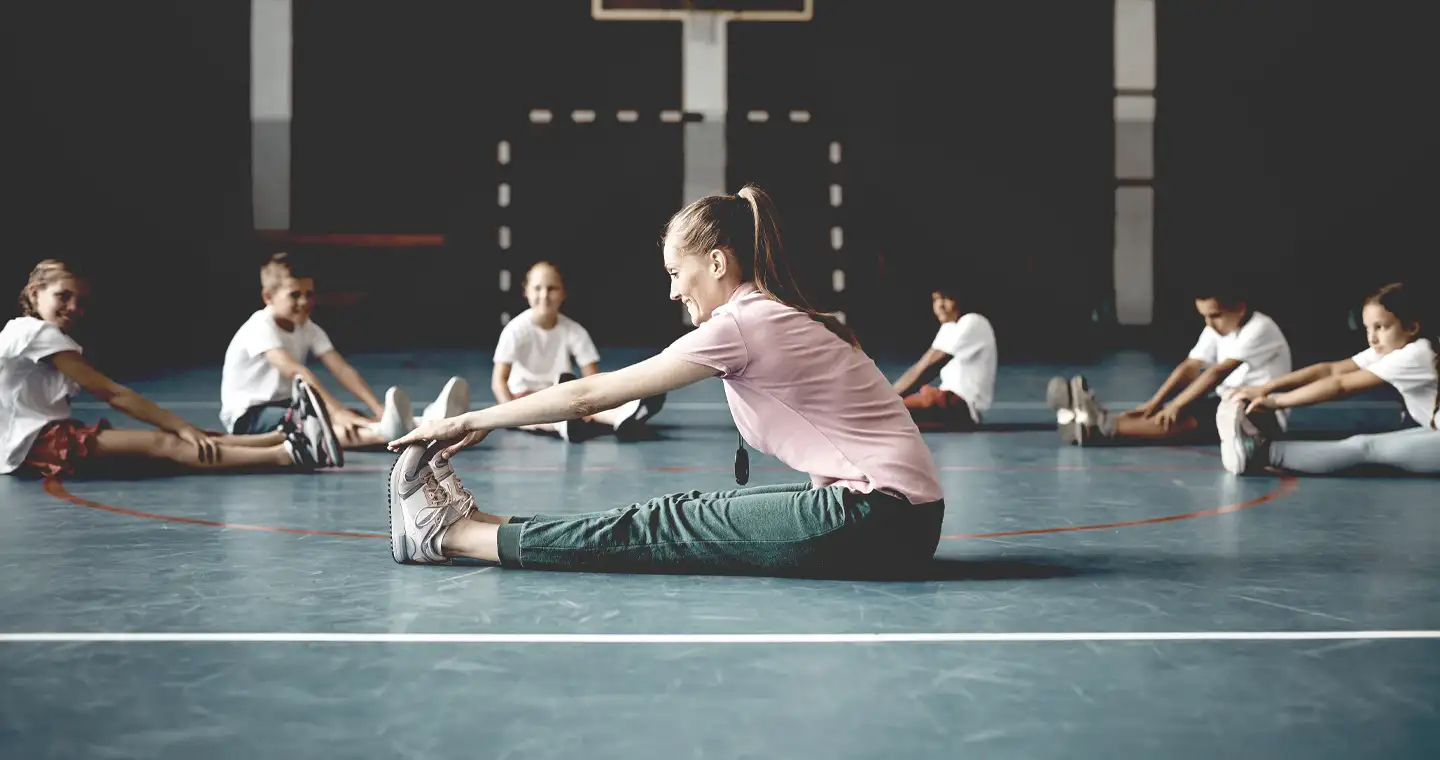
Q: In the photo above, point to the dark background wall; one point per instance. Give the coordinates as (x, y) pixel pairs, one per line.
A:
(1294, 148)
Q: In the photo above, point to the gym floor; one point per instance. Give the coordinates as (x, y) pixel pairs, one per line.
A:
(1086, 603)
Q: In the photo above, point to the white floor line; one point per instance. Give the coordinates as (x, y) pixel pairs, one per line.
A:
(708, 638)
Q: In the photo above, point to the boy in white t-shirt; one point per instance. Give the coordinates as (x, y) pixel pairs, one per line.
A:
(1398, 355)
(537, 349)
(265, 373)
(1238, 347)
(964, 356)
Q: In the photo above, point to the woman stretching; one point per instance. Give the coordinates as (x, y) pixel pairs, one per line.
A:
(798, 386)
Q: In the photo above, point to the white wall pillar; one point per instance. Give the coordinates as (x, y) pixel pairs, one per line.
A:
(704, 66)
(1134, 161)
(270, 112)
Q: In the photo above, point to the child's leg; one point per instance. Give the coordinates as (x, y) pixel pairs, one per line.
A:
(156, 444)
(774, 530)
(933, 407)
(1135, 426)
(1416, 450)
(260, 441)
(261, 419)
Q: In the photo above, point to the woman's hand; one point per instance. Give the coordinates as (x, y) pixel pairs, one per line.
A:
(451, 431)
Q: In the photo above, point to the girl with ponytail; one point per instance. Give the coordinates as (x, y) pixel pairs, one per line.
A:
(799, 388)
(1400, 354)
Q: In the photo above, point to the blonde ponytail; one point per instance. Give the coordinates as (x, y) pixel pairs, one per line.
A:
(748, 224)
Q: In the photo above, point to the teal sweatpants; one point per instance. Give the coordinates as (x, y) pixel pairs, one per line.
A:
(783, 530)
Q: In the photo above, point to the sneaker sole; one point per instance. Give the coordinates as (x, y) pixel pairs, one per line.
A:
(1057, 394)
(399, 541)
(404, 410)
(1075, 432)
(456, 395)
(328, 441)
(1232, 426)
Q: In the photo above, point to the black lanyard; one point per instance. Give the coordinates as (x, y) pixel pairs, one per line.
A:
(742, 461)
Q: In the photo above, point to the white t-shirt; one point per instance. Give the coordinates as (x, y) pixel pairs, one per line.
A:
(32, 392)
(537, 357)
(1258, 345)
(971, 373)
(1411, 370)
(249, 378)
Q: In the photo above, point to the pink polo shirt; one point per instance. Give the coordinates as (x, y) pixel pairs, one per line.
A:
(801, 394)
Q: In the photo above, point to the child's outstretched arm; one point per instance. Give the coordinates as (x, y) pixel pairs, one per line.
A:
(1295, 379)
(350, 378)
(922, 371)
(1324, 389)
(1203, 383)
(500, 383)
(1184, 373)
(123, 399)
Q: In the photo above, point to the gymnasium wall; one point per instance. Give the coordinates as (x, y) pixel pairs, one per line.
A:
(976, 148)
(1295, 147)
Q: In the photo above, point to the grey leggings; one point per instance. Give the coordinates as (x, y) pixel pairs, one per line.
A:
(1414, 450)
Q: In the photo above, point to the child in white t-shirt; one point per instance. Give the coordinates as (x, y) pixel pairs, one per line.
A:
(539, 347)
(1238, 347)
(41, 368)
(1398, 355)
(265, 369)
(964, 356)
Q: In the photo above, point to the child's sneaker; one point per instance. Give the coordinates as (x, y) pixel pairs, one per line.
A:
(297, 392)
(453, 401)
(634, 415)
(398, 418)
(578, 430)
(305, 446)
(1242, 446)
(311, 407)
(302, 452)
(420, 510)
(1091, 419)
(1057, 396)
(1078, 416)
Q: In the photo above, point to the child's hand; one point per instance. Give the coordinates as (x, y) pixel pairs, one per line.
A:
(1261, 404)
(349, 425)
(1248, 393)
(205, 447)
(1166, 417)
(1147, 409)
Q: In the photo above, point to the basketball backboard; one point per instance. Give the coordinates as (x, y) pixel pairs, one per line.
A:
(674, 10)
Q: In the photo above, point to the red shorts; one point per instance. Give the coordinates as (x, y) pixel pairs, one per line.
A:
(931, 406)
(62, 445)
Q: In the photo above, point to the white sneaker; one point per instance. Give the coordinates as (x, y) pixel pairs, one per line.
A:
(453, 401)
(1239, 437)
(420, 510)
(398, 417)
